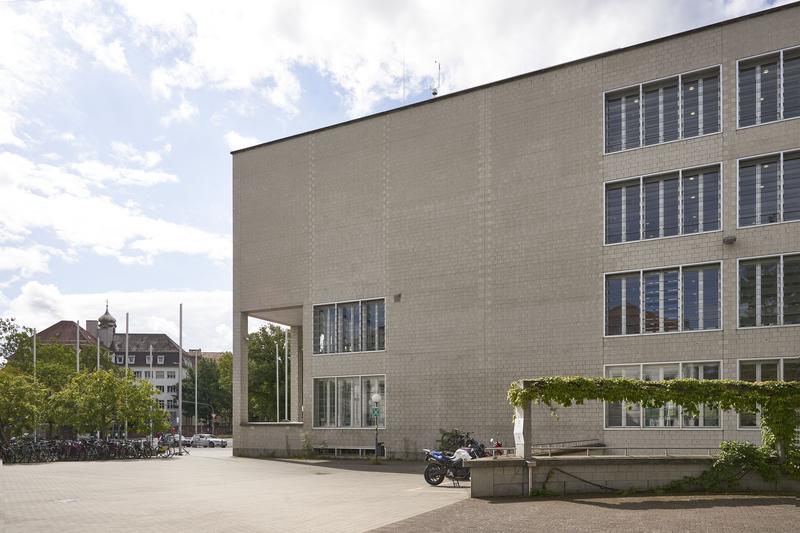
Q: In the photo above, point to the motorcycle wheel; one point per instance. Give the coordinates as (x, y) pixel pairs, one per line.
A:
(434, 474)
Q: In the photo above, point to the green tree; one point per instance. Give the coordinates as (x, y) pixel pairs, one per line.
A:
(261, 373)
(22, 403)
(98, 400)
(12, 335)
(211, 395)
(225, 365)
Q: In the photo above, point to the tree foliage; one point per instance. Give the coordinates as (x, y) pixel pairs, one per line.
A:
(778, 401)
(99, 400)
(213, 381)
(261, 373)
(22, 403)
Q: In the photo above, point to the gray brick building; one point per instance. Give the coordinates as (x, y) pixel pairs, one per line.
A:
(633, 213)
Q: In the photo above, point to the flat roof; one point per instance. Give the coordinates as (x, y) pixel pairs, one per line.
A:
(522, 76)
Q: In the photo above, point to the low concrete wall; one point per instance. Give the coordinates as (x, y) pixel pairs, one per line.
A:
(268, 439)
(510, 476)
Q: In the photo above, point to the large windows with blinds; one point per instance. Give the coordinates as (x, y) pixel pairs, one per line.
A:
(769, 291)
(769, 189)
(685, 298)
(358, 326)
(775, 369)
(669, 416)
(651, 207)
(675, 108)
(346, 402)
(769, 88)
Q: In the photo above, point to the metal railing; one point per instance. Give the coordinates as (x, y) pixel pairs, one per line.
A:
(629, 451)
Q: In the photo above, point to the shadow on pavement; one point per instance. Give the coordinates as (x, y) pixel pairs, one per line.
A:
(393, 467)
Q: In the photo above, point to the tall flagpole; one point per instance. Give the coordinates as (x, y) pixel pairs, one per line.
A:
(126, 371)
(196, 392)
(35, 424)
(152, 379)
(286, 376)
(277, 386)
(180, 379)
(77, 346)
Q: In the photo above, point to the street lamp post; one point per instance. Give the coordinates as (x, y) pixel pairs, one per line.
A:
(151, 382)
(196, 370)
(376, 413)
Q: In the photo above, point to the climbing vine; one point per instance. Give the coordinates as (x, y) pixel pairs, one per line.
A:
(778, 401)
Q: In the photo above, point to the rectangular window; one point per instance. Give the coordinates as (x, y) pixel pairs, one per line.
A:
(667, 414)
(324, 329)
(701, 298)
(325, 402)
(137, 374)
(758, 292)
(619, 414)
(160, 403)
(791, 84)
(759, 195)
(120, 359)
(131, 359)
(346, 402)
(171, 374)
(678, 203)
(707, 416)
(160, 388)
(172, 388)
(373, 324)
(681, 107)
(769, 88)
(147, 374)
(159, 374)
(623, 303)
(675, 299)
(622, 212)
(348, 406)
(172, 404)
(148, 359)
(623, 415)
(764, 370)
(790, 178)
(791, 289)
(661, 112)
(350, 326)
(160, 359)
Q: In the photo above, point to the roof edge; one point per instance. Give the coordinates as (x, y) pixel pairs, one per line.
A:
(524, 75)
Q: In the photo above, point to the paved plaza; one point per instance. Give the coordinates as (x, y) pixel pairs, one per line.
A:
(212, 490)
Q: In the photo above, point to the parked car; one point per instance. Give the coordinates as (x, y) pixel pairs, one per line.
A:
(207, 440)
(173, 440)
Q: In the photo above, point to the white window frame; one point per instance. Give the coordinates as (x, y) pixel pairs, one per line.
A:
(680, 426)
(780, 258)
(641, 179)
(679, 78)
(781, 376)
(781, 157)
(148, 359)
(157, 374)
(131, 360)
(780, 53)
(336, 401)
(160, 359)
(171, 374)
(360, 328)
(680, 268)
(120, 359)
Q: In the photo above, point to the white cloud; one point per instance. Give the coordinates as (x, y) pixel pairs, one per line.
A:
(28, 260)
(236, 140)
(206, 314)
(129, 154)
(61, 200)
(361, 46)
(182, 113)
(94, 32)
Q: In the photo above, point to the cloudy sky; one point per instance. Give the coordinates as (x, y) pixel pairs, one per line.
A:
(117, 118)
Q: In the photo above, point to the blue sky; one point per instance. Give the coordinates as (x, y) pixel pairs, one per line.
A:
(117, 118)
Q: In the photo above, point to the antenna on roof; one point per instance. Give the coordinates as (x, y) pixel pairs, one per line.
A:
(435, 90)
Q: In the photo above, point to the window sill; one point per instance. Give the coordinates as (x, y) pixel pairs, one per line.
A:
(656, 239)
(777, 121)
(627, 150)
(369, 428)
(348, 353)
(664, 333)
(745, 328)
(752, 226)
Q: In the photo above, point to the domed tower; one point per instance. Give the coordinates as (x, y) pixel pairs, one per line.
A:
(106, 327)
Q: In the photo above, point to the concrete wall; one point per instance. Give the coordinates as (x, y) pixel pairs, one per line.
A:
(509, 476)
(484, 210)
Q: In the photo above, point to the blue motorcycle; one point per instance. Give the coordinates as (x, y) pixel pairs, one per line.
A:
(441, 465)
